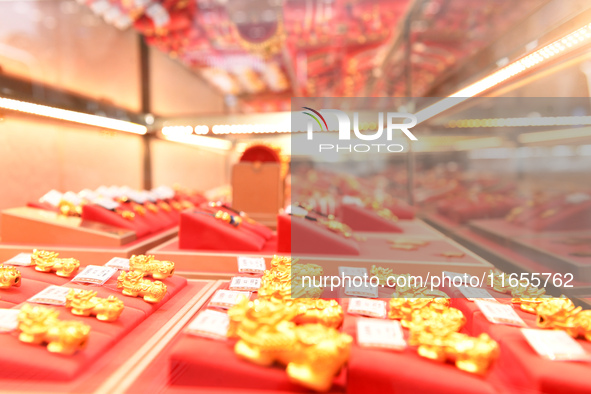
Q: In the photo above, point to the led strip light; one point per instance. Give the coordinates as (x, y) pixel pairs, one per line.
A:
(520, 122)
(72, 116)
(547, 52)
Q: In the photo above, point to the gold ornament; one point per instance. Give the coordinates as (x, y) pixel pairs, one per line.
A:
(470, 354)
(381, 273)
(313, 353)
(39, 325)
(134, 285)
(151, 267)
(9, 276)
(86, 303)
(45, 261)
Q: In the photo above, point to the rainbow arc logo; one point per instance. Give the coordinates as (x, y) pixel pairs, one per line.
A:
(316, 119)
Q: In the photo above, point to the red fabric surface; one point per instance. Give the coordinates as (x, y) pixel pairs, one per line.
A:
(6, 304)
(402, 210)
(28, 288)
(35, 362)
(24, 361)
(364, 219)
(43, 205)
(299, 235)
(47, 277)
(568, 217)
(99, 214)
(199, 231)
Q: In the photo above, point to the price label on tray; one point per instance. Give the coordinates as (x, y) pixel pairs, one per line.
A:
(228, 298)
(365, 307)
(360, 288)
(8, 319)
(380, 333)
(498, 313)
(95, 275)
(52, 295)
(245, 283)
(107, 203)
(21, 259)
(476, 293)
(555, 345)
(251, 265)
(352, 272)
(210, 324)
(118, 263)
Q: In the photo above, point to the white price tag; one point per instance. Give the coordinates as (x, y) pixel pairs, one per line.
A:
(119, 263)
(95, 274)
(21, 259)
(210, 324)
(380, 333)
(52, 295)
(498, 313)
(52, 197)
(8, 319)
(476, 293)
(362, 306)
(226, 299)
(245, 283)
(364, 290)
(251, 265)
(555, 345)
(352, 272)
(107, 203)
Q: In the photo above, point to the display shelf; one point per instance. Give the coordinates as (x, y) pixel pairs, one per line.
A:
(90, 255)
(374, 250)
(38, 226)
(105, 372)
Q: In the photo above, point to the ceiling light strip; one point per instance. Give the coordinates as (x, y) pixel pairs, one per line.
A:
(72, 116)
(544, 54)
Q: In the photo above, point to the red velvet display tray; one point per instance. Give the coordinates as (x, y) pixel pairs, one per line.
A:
(91, 255)
(22, 361)
(204, 365)
(112, 365)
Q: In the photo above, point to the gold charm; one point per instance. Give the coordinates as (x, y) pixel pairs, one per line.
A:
(319, 354)
(150, 267)
(48, 262)
(9, 276)
(453, 254)
(313, 353)
(39, 325)
(134, 285)
(86, 303)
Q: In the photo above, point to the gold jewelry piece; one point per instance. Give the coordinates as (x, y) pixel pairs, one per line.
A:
(164, 206)
(67, 208)
(9, 276)
(336, 227)
(404, 247)
(225, 217)
(403, 308)
(125, 214)
(45, 261)
(38, 325)
(134, 285)
(150, 267)
(86, 303)
(151, 207)
(453, 254)
(139, 209)
(381, 273)
(470, 354)
(313, 353)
